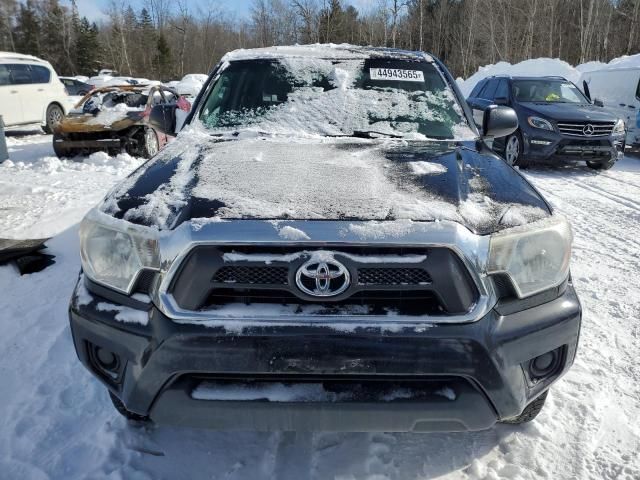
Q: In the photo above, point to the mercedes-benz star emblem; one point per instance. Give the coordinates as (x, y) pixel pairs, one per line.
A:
(323, 278)
(588, 130)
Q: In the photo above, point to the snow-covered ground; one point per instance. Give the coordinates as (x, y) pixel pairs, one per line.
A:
(56, 421)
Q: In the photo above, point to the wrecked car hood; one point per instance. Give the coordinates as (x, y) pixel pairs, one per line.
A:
(199, 177)
(105, 120)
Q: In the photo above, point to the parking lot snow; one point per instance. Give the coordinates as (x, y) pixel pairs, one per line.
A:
(41, 195)
(56, 420)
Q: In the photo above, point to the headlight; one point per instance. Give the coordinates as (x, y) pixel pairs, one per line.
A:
(538, 122)
(619, 129)
(535, 257)
(113, 255)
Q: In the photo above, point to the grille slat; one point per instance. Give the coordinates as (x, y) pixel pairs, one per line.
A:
(600, 129)
(393, 276)
(266, 275)
(414, 302)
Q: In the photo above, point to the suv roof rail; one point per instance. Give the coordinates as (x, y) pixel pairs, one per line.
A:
(507, 75)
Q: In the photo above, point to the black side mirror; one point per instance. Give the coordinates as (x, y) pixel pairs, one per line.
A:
(501, 101)
(163, 118)
(499, 121)
(585, 88)
(598, 103)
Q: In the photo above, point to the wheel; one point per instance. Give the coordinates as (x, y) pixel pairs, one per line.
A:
(82, 92)
(54, 116)
(122, 410)
(602, 165)
(145, 144)
(150, 144)
(62, 152)
(530, 412)
(513, 151)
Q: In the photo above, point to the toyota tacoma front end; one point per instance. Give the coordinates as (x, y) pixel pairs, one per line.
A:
(328, 245)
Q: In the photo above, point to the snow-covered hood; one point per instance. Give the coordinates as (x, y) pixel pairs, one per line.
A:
(335, 179)
(570, 112)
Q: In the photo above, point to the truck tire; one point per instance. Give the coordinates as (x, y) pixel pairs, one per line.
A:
(530, 412)
(53, 117)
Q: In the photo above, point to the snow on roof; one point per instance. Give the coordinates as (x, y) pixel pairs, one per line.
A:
(323, 50)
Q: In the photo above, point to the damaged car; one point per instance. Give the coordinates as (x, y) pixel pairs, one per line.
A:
(115, 119)
(329, 244)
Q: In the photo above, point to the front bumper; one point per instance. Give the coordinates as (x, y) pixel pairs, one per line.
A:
(97, 143)
(543, 145)
(485, 363)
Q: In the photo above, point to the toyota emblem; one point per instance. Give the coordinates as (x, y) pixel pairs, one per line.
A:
(588, 130)
(323, 278)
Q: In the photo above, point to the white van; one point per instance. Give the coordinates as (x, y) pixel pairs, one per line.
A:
(30, 92)
(619, 90)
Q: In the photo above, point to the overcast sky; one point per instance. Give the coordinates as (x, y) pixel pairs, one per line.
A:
(94, 9)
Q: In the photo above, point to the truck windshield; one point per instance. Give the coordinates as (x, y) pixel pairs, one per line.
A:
(312, 96)
(547, 91)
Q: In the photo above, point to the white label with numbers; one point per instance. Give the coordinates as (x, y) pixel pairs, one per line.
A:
(395, 74)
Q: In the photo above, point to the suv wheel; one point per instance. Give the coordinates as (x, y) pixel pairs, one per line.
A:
(530, 412)
(602, 165)
(513, 151)
(54, 117)
(122, 410)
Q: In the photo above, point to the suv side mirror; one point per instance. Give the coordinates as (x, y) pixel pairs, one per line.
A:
(499, 121)
(163, 118)
(598, 103)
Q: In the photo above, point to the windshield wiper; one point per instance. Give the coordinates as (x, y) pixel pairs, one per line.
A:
(372, 134)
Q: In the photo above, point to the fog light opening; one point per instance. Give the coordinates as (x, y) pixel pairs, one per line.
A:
(106, 359)
(105, 362)
(544, 365)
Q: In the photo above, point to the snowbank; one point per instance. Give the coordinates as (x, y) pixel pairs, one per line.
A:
(545, 66)
(191, 84)
(533, 67)
(626, 61)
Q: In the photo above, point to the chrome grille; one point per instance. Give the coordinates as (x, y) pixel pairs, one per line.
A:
(393, 276)
(582, 129)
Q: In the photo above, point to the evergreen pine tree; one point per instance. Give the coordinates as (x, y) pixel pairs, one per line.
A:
(27, 30)
(163, 57)
(87, 48)
(147, 41)
(52, 39)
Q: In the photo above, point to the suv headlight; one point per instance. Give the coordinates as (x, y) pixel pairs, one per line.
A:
(538, 122)
(114, 255)
(535, 256)
(619, 128)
